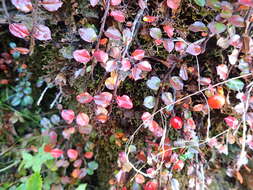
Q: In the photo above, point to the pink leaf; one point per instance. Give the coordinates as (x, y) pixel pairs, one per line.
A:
(101, 56)
(86, 129)
(94, 2)
(140, 179)
(56, 153)
(103, 99)
(155, 33)
(84, 98)
(125, 65)
(88, 34)
(124, 102)
(72, 154)
(115, 2)
(231, 122)
(136, 73)
(138, 54)
(176, 83)
(222, 71)
(168, 45)
(173, 4)
(142, 4)
(169, 30)
(82, 119)
(21, 50)
(68, 132)
(180, 46)
(144, 66)
(82, 56)
(118, 15)
(19, 30)
(237, 21)
(113, 33)
(110, 66)
(183, 72)
(246, 2)
(155, 129)
(205, 81)
(23, 5)
(42, 32)
(193, 49)
(68, 116)
(51, 5)
(146, 118)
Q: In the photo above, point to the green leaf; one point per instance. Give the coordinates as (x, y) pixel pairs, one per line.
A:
(93, 165)
(36, 161)
(82, 187)
(236, 85)
(90, 171)
(27, 100)
(16, 101)
(34, 182)
(200, 2)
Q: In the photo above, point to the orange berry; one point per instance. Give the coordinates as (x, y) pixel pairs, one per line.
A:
(216, 101)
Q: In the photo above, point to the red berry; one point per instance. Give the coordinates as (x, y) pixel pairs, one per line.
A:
(176, 122)
(151, 185)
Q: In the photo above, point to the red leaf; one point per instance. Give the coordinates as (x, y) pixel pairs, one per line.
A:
(118, 15)
(138, 54)
(84, 98)
(144, 66)
(23, 5)
(82, 119)
(151, 185)
(193, 49)
(94, 2)
(124, 102)
(231, 122)
(88, 155)
(42, 32)
(173, 4)
(19, 30)
(82, 56)
(100, 56)
(115, 2)
(51, 5)
(72, 154)
(113, 33)
(149, 19)
(68, 116)
(56, 153)
(88, 34)
(103, 99)
(169, 30)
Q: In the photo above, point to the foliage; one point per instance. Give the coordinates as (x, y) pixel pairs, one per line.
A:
(161, 88)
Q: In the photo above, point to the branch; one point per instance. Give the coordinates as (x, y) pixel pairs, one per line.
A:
(102, 28)
(6, 11)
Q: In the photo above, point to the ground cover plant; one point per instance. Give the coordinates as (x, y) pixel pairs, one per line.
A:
(120, 94)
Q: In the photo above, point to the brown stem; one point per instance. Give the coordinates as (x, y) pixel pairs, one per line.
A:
(6, 11)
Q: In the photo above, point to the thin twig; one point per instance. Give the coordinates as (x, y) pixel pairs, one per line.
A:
(6, 11)
(208, 107)
(101, 31)
(34, 22)
(130, 140)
